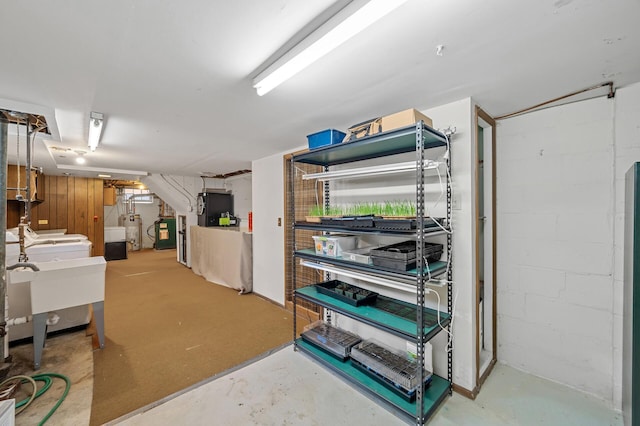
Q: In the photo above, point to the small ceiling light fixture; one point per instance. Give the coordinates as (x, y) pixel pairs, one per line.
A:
(96, 120)
(80, 158)
(102, 175)
(349, 21)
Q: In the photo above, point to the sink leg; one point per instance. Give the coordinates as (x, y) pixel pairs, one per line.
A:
(39, 334)
(98, 317)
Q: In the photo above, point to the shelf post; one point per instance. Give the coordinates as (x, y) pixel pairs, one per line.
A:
(449, 267)
(292, 218)
(420, 265)
(327, 204)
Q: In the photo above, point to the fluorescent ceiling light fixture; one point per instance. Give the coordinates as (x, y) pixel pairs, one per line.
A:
(102, 170)
(348, 22)
(102, 175)
(96, 121)
(384, 169)
(410, 287)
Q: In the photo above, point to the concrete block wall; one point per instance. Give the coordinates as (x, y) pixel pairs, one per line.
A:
(560, 207)
(627, 152)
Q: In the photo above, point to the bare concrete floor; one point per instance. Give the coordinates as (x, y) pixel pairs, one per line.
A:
(69, 354)
(287, 388)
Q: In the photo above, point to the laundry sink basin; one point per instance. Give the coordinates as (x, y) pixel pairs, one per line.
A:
(63, 284)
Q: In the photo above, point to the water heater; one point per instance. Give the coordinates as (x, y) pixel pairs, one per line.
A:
(133, 230)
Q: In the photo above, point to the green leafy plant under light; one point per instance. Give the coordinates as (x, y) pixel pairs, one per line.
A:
(388, 208)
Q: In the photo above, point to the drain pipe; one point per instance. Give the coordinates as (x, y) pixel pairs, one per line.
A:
(27, 169)
(3, 236)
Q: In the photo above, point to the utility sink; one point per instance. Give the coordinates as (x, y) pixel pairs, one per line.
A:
(63, 284)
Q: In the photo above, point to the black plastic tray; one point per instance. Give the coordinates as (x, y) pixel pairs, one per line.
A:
(347, 293)
(404, 224)
(406, 251)
(349, 221)
(394, 264)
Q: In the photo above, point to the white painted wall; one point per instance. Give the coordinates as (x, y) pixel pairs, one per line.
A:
(627, 152)
(560, 187)
(241, 187)
(268, 237)
(460, 115)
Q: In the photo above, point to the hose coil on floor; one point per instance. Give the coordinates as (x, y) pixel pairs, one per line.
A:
(46, 378)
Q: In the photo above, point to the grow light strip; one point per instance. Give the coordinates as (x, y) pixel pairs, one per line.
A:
(383, 169)
(409, 288)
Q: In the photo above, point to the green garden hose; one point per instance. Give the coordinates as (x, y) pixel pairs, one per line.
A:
(46, 378)
(23, 379)
(61, 399)
(47, 384)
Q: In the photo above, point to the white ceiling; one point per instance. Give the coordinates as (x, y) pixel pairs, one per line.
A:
(174, 78)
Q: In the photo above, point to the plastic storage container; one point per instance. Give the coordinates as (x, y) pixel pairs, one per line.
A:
(325, 137)
(332, 245)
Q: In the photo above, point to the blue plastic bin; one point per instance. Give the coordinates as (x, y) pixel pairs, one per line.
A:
(325, 137)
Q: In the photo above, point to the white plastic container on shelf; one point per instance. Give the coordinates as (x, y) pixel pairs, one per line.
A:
(333, 245)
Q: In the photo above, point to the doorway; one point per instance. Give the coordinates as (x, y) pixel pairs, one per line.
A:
(485, 191)
(182, 239)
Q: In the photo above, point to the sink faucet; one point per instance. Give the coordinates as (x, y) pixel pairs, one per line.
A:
(32, 266)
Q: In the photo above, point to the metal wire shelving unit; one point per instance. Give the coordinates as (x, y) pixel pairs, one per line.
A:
(417, 138)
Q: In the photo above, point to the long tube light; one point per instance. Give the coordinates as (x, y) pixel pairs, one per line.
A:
(101, 169)
(410, 288)
(345, 24)
(96, 121)
(382, 169)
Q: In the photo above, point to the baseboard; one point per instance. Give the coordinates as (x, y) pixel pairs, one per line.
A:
(466, 392)
(488, 371)
(273, 302)
(472, 394)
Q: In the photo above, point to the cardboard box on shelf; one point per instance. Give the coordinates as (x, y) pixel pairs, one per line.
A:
(404, 118)
(386, 123)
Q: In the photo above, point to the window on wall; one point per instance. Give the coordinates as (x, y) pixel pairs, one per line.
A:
(143, 196)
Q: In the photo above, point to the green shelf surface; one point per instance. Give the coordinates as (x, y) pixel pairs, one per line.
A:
(433, 395)
(395, 141)
(434, 268)
(374, 316)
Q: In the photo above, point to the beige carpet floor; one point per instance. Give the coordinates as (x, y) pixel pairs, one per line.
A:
(167, 328)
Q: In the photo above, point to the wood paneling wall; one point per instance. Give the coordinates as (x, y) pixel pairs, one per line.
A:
(73, 203)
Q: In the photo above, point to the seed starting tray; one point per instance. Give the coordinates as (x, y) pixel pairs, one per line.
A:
(348, 293)
(406, 251)
(397, 372)
(405, 224)
(333, 340)
(365, 221)
(407, 311)
(394, 264)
